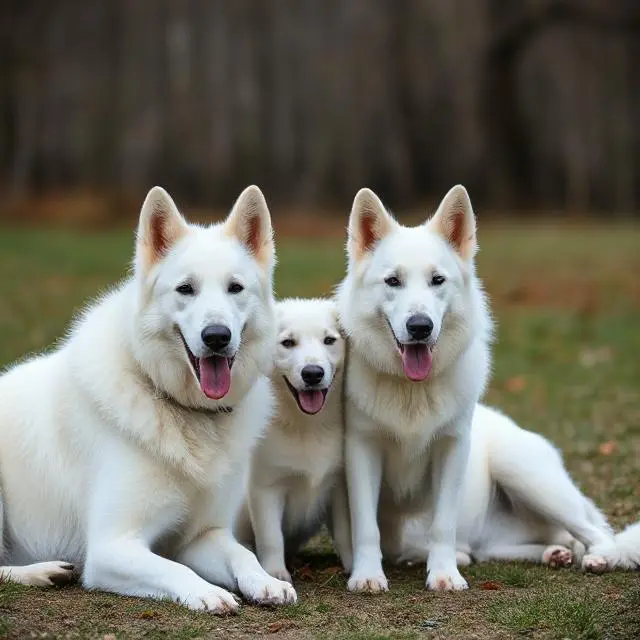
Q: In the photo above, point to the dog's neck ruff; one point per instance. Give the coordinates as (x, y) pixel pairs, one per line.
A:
(165, 397)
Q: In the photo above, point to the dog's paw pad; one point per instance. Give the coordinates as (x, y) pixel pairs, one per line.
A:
(217, 601)
(557, 556)
(378, 584)
(268, 591)
(441, 581)
(594, 564)
(45, 574)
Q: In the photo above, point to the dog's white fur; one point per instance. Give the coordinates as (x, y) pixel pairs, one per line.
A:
(111, 456)
(297, 473)
(408, 443)
(519, 503)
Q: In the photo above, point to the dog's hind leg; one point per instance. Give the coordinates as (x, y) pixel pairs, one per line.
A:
(40, 574)
(533, 475)
(553, 555)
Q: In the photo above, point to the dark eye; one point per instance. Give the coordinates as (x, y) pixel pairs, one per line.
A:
(185, 289)
(329, 340)
(393, 281)
(437, 280)
(235, 287)
(288, 343)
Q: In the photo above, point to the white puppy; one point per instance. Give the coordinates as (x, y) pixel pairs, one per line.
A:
(125, 450)
(297, 471)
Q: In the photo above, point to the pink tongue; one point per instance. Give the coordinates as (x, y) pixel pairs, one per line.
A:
(311, 401)
(416, 361)
(215, 377)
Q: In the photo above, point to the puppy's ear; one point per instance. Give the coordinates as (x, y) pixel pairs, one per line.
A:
(456, 223)
(250, 223)
(159, 228)
(369, 223)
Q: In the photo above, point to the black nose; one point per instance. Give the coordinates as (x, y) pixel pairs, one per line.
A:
(216, 336)
(419, 326)
(312, 374)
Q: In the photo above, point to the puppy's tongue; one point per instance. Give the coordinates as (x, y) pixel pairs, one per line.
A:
(311, 401)
(215, 377)
(416, 361)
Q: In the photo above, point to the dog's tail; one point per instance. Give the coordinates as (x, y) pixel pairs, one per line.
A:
(624, 551)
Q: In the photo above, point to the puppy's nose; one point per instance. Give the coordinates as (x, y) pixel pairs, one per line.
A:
(419, 326)
(216, 336)
(312, 374)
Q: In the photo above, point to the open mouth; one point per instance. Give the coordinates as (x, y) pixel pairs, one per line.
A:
(310, 401)
(213, 372)
(417, 358)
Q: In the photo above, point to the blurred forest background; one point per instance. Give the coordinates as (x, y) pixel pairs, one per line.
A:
(533, 104)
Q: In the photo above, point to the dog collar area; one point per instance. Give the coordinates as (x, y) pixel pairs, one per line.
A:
(222, 410)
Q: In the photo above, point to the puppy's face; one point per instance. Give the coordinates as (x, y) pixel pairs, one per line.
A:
(310, 350)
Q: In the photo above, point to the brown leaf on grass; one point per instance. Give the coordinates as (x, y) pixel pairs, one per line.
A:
(608, 447)
(304, 573)
(280, 625)
(491, 585)
(147, 615)
(333, 570)
(515, 384)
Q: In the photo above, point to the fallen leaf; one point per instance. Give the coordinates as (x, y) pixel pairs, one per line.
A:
(491, 585)
(333, 570)
(147, 615)
(608, 447)
(516, 384)
(304, 573)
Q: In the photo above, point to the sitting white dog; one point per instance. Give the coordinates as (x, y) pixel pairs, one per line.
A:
(296, 477)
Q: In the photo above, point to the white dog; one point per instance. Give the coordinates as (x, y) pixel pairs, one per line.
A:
(419, 332)
(125, 451)
(519, 503)
(297, 473)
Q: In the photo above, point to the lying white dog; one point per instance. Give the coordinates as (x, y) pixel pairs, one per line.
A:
(297, 471)
(519, 503)
(125, 450)
(419, 330)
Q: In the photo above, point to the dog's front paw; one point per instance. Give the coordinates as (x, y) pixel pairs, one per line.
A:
(373, 584)
(594, 563)
(265, 590)
(446, 581)
(557, 556)
(215, 600)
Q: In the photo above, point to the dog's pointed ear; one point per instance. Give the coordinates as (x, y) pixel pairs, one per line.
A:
(250, 223)
(159, 228)
(456, 223)
(369, 223)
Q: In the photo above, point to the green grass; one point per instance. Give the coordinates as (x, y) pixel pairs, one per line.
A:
(567, 305)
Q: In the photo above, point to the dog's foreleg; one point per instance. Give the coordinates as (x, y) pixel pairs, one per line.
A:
(364, 477)
(39, 574)
(340, 524)
(267, 508)
(218, 557)
(449, 455)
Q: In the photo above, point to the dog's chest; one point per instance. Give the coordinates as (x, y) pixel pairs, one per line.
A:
(309, 458)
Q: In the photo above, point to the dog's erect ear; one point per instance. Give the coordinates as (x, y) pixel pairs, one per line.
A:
(159, 228)
(369, 223)
(250, 222)
(456, 223)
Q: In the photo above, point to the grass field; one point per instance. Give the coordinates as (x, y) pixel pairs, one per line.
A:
(567, 303)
